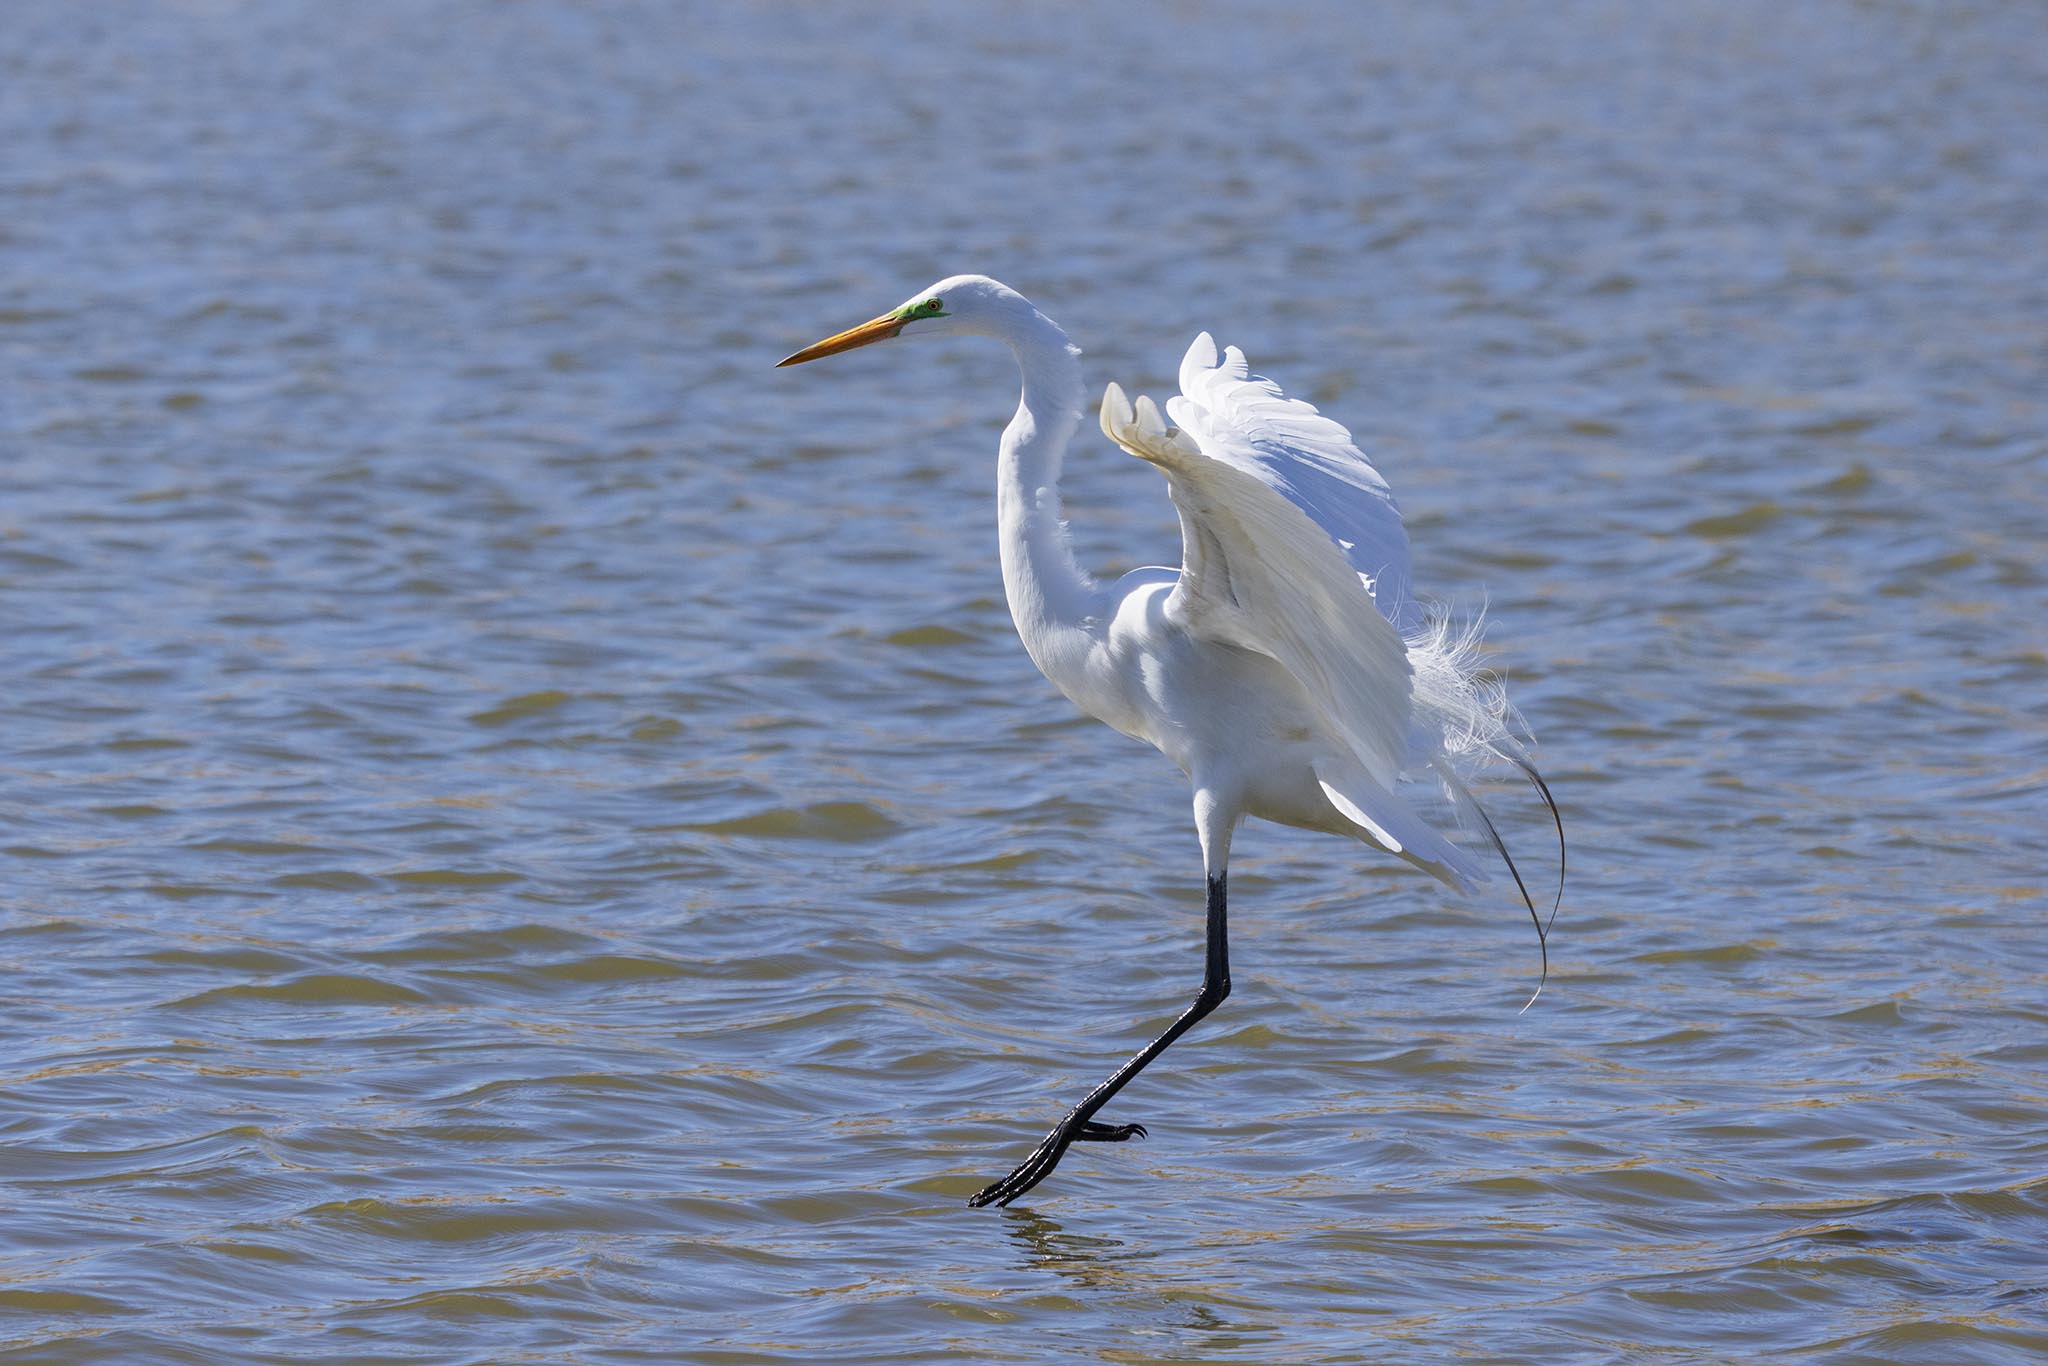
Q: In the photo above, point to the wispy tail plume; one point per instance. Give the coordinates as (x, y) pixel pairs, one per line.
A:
(1462, 712)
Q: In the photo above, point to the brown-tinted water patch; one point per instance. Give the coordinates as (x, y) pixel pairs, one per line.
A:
(832, 821)
(315, 988)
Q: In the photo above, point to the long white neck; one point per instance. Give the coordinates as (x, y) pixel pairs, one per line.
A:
(1051, 600)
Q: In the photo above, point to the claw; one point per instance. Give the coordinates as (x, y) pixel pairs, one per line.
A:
(1092, 1132)
(1029, 1173)
(1046, 1156)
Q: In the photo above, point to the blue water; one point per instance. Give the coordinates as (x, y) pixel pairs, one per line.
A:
(527, 834)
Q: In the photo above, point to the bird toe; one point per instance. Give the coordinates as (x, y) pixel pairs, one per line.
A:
(1092, 1132)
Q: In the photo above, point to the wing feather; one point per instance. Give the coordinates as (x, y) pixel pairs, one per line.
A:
(1244, 420)
(1392, 823)
(1259, 573)
(1285, 527)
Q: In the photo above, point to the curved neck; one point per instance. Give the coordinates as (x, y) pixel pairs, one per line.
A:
(1049, 595)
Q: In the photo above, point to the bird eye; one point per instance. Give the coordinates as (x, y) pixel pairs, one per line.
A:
(934, 304)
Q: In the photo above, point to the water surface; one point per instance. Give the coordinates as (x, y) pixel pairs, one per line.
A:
(527, 834)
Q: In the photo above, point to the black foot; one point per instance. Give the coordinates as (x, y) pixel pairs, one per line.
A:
(1091, 1132)
(1047, 1155)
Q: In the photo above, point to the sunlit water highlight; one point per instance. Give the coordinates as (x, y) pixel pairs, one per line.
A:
(527, 834)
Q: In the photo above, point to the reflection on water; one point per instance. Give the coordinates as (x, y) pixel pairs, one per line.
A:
(527, 833)
(1090, 1261)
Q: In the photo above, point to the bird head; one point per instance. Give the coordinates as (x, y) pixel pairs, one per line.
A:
(961, 305)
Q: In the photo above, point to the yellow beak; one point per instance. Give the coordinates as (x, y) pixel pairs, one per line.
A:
(880, 329)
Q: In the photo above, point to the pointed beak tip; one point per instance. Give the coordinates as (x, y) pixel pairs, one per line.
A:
(878, 329)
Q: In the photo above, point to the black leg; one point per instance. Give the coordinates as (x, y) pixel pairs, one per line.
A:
(1079, 1123)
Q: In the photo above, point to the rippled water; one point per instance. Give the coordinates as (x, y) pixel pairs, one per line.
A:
(527, 834)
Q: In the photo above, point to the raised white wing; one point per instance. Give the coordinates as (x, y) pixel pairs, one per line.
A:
(1285, 527)
(1259, 573)
(1244, 420)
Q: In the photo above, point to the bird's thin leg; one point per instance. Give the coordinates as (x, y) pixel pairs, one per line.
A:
(1079, 1123)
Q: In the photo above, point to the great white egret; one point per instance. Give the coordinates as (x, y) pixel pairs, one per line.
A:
(1285, 666)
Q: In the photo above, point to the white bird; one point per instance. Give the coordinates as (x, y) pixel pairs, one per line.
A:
(1285, 666)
